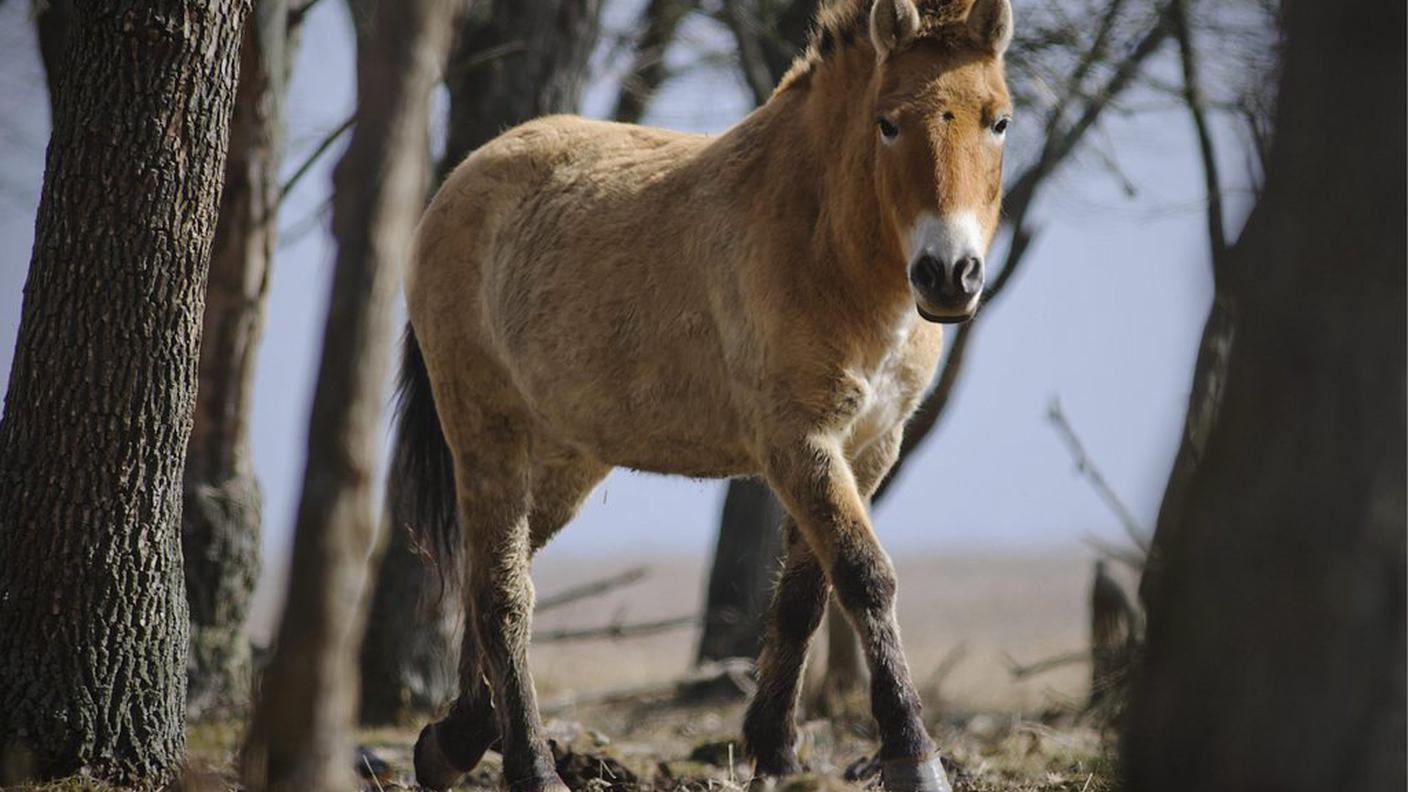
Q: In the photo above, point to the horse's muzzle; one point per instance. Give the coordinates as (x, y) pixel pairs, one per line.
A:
(946, 292)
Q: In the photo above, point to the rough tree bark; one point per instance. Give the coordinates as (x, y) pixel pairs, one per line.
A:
(1276, 640)
(93, 623)
(221, 515)
(51, 22)
(308, 698)
(514, 63)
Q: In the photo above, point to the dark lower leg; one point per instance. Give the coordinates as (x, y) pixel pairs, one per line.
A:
(865, 585)
(502, 606)
(799, 600)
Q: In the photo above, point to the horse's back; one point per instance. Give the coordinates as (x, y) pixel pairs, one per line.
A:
(564, 260)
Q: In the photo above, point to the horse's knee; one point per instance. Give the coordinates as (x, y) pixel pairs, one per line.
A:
(501, 605)
(864, 580)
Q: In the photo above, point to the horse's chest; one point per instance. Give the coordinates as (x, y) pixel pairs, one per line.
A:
(890, 389)
(887, 395)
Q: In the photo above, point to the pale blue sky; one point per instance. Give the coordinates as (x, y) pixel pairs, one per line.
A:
(1105, 315)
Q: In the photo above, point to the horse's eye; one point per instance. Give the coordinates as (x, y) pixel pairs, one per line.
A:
(888, 130)
(1000, 128)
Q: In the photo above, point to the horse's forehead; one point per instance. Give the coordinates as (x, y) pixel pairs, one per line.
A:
(936, 76)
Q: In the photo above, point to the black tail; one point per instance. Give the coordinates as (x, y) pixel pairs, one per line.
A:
(420, 490)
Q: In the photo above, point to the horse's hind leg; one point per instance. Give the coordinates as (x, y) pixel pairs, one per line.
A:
(453, 746)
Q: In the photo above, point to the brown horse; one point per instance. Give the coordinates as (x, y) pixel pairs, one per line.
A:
(585, 295)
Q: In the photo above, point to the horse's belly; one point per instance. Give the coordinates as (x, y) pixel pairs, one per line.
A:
(668, 412)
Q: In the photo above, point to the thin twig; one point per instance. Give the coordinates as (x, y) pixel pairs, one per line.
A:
(591, 589)
(950, 661)
(616, 631)
(318, 151)
(372, 773)
(1087, 468)
(1020, 671)
(705, 674)
(473, 60)
(1133, 559)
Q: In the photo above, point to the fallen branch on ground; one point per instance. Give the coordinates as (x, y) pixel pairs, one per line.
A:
(614, 631)
(711, 672)
(591, 589)
(1020, 671)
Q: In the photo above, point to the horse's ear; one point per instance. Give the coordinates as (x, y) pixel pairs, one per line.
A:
(893, 24)
(991, 23)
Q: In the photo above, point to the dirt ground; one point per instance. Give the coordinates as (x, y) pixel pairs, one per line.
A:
(964, 619)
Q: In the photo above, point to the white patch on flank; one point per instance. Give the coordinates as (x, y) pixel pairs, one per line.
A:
(949, 238)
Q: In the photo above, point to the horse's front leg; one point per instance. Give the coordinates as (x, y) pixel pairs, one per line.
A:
(798, 604)
(814, 480)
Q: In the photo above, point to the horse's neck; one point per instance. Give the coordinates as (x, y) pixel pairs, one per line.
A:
(806, 154)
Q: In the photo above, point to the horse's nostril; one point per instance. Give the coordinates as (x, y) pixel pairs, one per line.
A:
(968, 274)
(926, 272)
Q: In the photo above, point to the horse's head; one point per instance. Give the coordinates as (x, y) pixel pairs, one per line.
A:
(941, 110)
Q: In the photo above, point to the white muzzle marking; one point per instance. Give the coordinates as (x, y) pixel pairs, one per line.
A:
(949, 238)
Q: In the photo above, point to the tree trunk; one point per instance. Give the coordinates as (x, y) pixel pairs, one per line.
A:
(51, 22)
(515, 63)
(308, 698)
(93, 626)
(1276, 636)
(746, 562)
(521, 61)
(1209, 380)
(659, 22)
(220, 521)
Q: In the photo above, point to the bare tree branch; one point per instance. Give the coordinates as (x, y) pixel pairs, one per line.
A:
(1020, 671)
(1193, 98)
(1133, 559)
(615, 631)
(318, 151)
(1087, 468)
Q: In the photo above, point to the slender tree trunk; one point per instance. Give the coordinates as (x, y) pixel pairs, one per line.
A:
(221, 516)
(93, 623)
(515, 63)
(659, 22)
(746, 562)
(1276, 640)
(308, 698)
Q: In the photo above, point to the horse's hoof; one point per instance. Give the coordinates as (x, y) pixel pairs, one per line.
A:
(914, 775)
(433, 769)
(764, 783)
